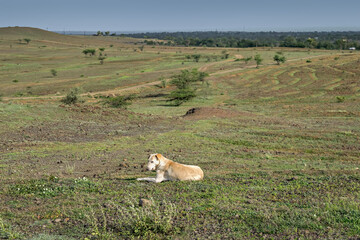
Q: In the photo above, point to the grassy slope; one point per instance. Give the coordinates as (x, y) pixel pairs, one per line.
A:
(281, 158)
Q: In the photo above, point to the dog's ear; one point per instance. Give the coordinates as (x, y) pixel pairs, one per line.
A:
(158, 156)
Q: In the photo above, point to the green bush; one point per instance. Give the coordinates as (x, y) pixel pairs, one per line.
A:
(53, 72)
(72, 97)
(89, 51)
(119, 101)
(340, 99)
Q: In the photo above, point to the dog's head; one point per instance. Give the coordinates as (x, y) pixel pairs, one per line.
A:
(154, 161)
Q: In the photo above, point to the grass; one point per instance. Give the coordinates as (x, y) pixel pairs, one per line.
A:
(279, 151)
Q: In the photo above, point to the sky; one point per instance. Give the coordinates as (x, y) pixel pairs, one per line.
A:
(182, 15)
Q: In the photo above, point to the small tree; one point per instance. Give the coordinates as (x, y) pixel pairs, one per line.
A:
(258, 60)
(101, 59)
(107, 33)
(196, 57)
(53, 72)
(279, 59)
(141, 48)
(27, 40)
(179, 96)
(183, 82)
(102, 49)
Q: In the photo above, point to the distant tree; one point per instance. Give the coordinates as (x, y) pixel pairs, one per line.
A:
(141, 48)
(89, 51)
(53, 72)
(101, 59)
(102, 49)
(107, 33)
(258, 60)
(196, 57)
(27, 40)
(99, 33)
(279, 59)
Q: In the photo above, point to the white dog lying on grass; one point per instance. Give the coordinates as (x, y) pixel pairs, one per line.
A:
(167, 170)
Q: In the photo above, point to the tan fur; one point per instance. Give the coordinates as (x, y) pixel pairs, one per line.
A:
(169, 170)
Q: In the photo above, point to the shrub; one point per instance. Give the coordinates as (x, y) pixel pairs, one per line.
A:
(308, 61)
(53, 72)
(340, 99)
(119, 101)
(89, 51)
(163, 83)
(15, 80)
(72, 97)
(258, 60)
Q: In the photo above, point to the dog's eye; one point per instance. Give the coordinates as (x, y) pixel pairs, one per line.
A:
(152, 161)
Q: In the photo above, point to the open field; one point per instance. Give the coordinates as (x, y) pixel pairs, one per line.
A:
(279, 145)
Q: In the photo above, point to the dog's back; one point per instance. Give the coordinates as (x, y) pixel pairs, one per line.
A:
(177, 171)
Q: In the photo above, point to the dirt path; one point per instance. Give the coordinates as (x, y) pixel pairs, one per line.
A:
(141, 85)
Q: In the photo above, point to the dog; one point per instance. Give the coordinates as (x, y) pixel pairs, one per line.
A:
(168, 170)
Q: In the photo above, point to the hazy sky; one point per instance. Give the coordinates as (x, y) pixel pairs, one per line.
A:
(182, 15)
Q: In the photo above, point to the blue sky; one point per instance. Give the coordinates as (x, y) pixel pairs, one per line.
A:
(182, 15)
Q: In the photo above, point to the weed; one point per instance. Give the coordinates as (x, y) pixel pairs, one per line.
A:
(45, 236)
(70, 168)
(130, 220)
(6, 231)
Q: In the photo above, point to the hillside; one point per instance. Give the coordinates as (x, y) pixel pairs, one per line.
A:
(279, 144)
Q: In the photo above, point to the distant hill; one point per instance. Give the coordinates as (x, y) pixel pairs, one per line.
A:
(28, 32)
(37, 34)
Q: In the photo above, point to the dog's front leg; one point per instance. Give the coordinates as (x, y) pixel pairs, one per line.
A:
(159, 176)
(149, 179)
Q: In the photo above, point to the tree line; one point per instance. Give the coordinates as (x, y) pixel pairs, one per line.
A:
(318, 40)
